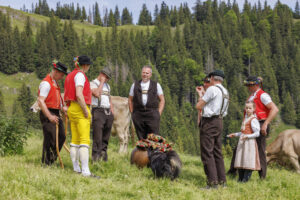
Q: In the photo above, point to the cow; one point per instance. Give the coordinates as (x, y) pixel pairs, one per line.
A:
(286, 147)
(121, 123)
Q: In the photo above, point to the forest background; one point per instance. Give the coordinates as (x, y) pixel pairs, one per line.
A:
(182, 45)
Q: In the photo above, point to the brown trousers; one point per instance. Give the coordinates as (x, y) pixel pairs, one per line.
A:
(211, 149)
(49, 144)
(102, 125)
(261, 145)
(146, 122)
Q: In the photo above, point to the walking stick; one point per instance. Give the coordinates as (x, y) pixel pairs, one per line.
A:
(66, 132)
(57, 149)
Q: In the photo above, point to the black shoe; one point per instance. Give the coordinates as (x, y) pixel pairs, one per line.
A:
(104, 156)
(223, 185)
(93, 176)
(210, 187)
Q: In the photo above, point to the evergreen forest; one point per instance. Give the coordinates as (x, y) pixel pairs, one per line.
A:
(181, 45)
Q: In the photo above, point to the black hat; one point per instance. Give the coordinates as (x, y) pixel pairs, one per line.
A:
(84, 60)
(252, 80)
(60, 67)
(107, 72)
(217, 72)
(206, 79)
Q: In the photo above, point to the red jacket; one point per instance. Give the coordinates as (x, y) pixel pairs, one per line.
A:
(53, 99)
(70, 89)
(262, 112)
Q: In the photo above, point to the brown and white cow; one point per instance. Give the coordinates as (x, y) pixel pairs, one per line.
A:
(121, 124)
(285, 148)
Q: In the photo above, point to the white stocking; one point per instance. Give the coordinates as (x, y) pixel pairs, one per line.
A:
(74, 153)
(84, 159)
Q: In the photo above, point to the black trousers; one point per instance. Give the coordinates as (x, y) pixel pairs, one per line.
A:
(261, 146)
(49, 154)
(211, 150)
(102, 125)
(146, 122)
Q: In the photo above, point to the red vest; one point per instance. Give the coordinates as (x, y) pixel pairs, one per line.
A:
(53, 98)
(70, 89)
(262, 112)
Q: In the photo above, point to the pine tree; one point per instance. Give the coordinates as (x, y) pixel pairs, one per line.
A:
(288, 110)
(111, 19)
(297, 10)
(78, 12)
(97, 18)
(2, 105)
(126, 17)
(117, 17)
(145, 16)
(83, 16)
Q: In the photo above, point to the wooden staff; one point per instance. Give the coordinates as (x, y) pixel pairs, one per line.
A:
(57, 148)
(66, 132)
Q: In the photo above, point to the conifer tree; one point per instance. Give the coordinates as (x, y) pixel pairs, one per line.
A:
(2, 105)
(83, 16)
(126, 17)
(288, 110)
(97, 18)
(117, 16)
(111, 19)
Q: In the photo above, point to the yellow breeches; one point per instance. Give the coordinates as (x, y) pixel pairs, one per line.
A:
(80, 126)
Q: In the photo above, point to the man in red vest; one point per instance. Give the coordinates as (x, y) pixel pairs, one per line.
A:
(50, 102)
(266, 111)
(78, 97)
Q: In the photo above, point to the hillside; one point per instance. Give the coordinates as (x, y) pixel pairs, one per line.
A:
(10, 85)
(18, 19)
(22, 177)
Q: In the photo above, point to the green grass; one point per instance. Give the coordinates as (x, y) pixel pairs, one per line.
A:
(10, 85)
(23, 177)
(19, 18)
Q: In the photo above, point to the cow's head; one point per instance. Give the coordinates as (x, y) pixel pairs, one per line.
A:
(35, 107)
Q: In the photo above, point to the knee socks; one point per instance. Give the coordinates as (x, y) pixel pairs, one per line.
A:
(74, 153)
(84, 159)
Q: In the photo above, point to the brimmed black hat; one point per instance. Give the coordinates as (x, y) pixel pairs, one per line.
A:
(106, 71)
(84, 60)
(217, 72)
(252, 80)
(206, 79)
(60, 67)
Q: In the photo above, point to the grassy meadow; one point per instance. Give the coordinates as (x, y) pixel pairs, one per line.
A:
(18, 19)
(23, 177)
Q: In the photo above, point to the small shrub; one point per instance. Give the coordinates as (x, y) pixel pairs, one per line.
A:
(12, 136)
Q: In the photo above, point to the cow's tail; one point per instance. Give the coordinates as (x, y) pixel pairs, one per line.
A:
(132, 132)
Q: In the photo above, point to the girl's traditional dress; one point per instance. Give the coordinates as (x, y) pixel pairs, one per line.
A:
(247, 153)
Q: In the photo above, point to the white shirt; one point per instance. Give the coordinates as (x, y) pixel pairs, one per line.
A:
(104, 102)
(214, 98)
(264, 98)
(145, 86)
(44, 88)
(79, 79)
(255, 127)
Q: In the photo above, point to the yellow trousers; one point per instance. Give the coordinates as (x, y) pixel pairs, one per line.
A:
(80, 126)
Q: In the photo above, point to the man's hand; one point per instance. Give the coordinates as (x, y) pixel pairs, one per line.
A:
(86, 113)
(103, 79)
(53, 119)
(65, 110)
(200, 90)
(264, 129)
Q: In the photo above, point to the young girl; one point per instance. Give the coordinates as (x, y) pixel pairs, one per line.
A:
(247, 159)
